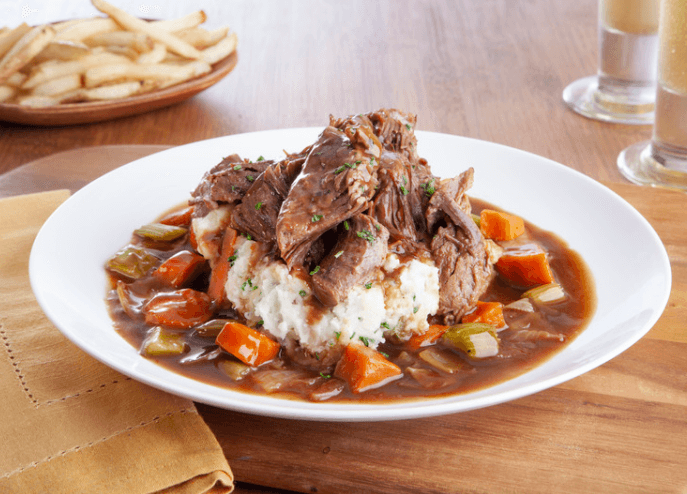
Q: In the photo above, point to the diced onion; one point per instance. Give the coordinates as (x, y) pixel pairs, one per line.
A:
(522, 305)
(545, 294)
(442, 360)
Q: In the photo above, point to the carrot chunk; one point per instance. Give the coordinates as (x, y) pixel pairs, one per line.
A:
(427, 338)
(500, 226)
(182, 217)
(182, 309)
(246, 344)
(218, 276)
(180, 269)
(525, 268)
(364, 368)
(487, 312)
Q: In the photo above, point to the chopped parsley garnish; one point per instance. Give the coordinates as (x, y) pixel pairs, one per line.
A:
(408, 126)
(385, 354)
(317, 268)
(232, 260)
(338, 334)
(317, 356)
(367, 235)
(404, 191)
(261, 322)
(260, 158)
(237, 167)
(429, 188)
(316, 218)
(326, 376)
(415, 309)
(385, 325)
(246, 283)
(250, 178)
(378, 226)
(346, 225)
(368, 285)
(258, 206)
(353, 166)
(338, 254)
(365, 340)
(405, 180)
(302, 293)
(248, 237)
(339, 170)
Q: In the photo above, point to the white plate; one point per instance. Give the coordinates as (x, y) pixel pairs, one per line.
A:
(628, 261)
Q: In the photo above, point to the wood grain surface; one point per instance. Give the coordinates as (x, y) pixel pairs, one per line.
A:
(491, 70)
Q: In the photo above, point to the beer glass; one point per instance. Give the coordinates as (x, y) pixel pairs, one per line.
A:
(624, 89)
(662, 161)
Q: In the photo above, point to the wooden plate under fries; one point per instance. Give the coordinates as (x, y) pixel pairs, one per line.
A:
(96, 111)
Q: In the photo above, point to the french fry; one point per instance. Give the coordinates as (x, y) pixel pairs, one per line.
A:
(191, 70)
(61, 26)
(104, 58)
(47, 70)
(156, 55)
(202, 38)
(10, 37)
(139, 42)
(38, 101)
(188, 21)
(7, 92)
(62, 50)
(30, 45)
(158, 72)
(115, 91)
(58, 86)
(16, 79)
(220, 50)
(133, 23)
(86, 28)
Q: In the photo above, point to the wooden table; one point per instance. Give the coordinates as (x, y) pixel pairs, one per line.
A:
(489, 70)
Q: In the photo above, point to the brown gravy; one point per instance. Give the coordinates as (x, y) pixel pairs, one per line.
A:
(561, 321)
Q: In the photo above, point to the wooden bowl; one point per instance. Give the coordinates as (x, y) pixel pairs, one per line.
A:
(96, 111)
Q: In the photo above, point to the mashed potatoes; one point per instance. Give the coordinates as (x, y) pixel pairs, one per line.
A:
(264, 292)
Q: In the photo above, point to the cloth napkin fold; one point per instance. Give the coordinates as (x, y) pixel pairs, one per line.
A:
(70, 424)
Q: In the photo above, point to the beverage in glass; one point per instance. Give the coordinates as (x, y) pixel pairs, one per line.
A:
(663, 161)
(624, 88)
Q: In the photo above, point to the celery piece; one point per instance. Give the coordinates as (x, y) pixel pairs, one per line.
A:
(160, 232)
(477, 219)
(132, 262)
(234, 369)
(477, 340)
(162, 343)
(546, 294)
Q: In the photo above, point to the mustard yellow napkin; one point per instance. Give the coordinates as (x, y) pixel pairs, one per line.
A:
(69, 424)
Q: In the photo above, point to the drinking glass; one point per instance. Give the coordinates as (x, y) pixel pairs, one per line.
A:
(662, 161)
(624, 89)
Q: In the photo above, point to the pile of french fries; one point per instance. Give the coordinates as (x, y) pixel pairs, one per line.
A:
(105, 58)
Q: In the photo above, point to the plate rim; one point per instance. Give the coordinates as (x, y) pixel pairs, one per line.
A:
(279, 407)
